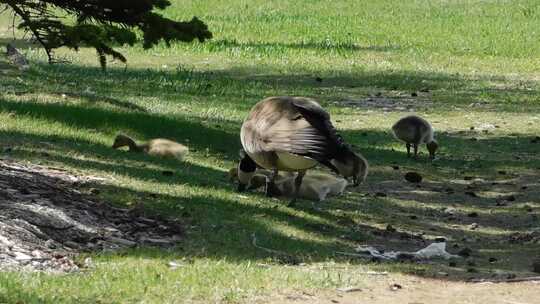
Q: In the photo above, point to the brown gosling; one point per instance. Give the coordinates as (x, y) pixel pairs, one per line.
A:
(415, 130)
(294, 134)
(155, 147)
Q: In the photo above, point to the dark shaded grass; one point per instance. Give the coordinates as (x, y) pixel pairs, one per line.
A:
(240, 88)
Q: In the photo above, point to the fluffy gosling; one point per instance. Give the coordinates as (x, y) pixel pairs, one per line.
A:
(155, 147)
(415, 130)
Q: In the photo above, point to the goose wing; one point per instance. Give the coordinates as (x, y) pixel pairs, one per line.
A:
(307, 131)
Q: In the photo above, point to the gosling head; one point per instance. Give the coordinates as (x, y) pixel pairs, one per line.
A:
(246, 170)
(121, 140)
(432, 147)
(352, 164)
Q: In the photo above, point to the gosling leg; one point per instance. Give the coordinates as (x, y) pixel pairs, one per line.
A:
(270, 183)
(297, 184)
(415, 151)
(408, 145)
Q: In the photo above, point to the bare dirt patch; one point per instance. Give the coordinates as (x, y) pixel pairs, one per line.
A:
(418, 290)
(391, 103)
(45, 221)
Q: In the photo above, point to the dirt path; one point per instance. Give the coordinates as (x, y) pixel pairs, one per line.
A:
(418, 290)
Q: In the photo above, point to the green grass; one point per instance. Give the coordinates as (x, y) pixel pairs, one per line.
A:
(462, 52)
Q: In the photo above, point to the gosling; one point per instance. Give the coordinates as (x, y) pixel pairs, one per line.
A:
(315, 186)
(415, 130)
(155, 147)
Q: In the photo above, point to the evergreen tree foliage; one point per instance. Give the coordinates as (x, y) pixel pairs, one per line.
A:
(101, 24)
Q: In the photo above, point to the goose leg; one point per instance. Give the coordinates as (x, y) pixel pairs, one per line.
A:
(408, 145)
(297, 184)
(415, 150)
(270, 183)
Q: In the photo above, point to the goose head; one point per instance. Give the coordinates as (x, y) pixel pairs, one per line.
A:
(351, 164)
(122, 140)
(246, 170)
(432, 147)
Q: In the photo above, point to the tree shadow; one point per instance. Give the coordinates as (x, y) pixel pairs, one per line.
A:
(148, 125)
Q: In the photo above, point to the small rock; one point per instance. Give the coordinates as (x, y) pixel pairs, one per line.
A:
(395, 287)
(471, 193)
(380, 194)
(414, 94)
(19, 256)
(413, 217)
(510, 198)
(501, 172)
(88, 263)
(175, 264)
(395, 167)
(390, 228)
(492, 260)
(413, 177)
(442, 273)
(167, 172)
(473, 226)
(465, 252)
(472, 214)
(536, 265)
(349, 289)
(318, 79)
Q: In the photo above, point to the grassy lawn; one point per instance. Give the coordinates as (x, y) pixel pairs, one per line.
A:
(470, 67)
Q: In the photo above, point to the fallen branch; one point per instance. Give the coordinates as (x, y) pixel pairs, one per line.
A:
(514, 280)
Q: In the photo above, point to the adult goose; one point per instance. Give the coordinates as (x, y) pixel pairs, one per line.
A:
(415, 130)
(294, 134)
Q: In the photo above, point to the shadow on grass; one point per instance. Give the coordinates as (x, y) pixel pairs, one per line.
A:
(222, 224)
(240, 88)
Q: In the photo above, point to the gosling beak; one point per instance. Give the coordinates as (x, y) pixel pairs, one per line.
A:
(241, 187)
